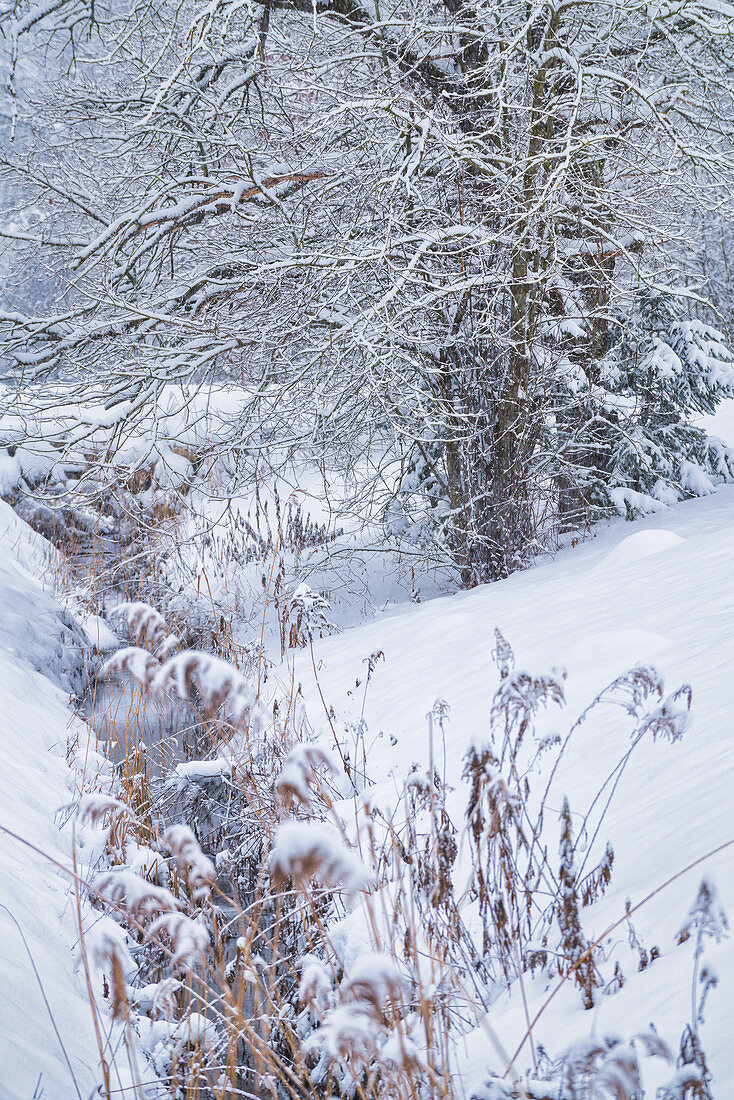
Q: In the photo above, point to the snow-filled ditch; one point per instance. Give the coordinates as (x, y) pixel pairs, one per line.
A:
(658, 593)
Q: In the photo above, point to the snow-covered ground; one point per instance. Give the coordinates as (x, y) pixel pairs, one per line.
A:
(47, 1042)
(657, 592)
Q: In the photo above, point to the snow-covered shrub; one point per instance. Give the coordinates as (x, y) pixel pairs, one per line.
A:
(148, 625)
(347, 949)
(506, 821)
(302, 618)
(305, 850)
(299, 775)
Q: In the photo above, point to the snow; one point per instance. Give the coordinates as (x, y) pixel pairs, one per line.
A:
(658, 592)
(99, 634)
(47, 1041)
(189, 940)
(192, 863)
(640, 545)
(191, 770)
(303, 849)
(664, 595)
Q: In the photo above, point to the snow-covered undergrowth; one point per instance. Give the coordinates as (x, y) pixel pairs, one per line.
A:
(457, 851)
(493, 833)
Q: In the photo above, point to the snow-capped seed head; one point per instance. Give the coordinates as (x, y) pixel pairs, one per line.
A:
(107, 950)
(653, 1045)
(168, 646)
(135, 661)
(106, 940)
(585, 1055)
(611, 1065)
(502, 654)
(619, 1073)
(189, 940)
(134, 895)
(313, 849)
(147, 624)
(419, 784)
(93, 807)
(220, 685)
(441, 710)
(315, 987)
(374, 979)
(347, 1031)
(195, 867)
(635, 687)
(521, 692)
(672, 718)
(298, 777)
(706, 917)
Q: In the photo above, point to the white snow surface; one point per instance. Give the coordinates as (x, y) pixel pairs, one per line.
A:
(659, 591)
(47, 1042)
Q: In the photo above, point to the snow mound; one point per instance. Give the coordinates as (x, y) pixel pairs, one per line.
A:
(47, 1041)
(643, 544)
(610, 652)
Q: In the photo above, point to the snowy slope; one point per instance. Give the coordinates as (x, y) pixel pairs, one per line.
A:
(47, 1043)
(660, 591)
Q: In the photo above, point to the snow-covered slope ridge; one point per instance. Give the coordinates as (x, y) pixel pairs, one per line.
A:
(658, 592)
(47, 1043)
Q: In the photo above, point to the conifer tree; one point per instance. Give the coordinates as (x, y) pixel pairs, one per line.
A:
(638, 447)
